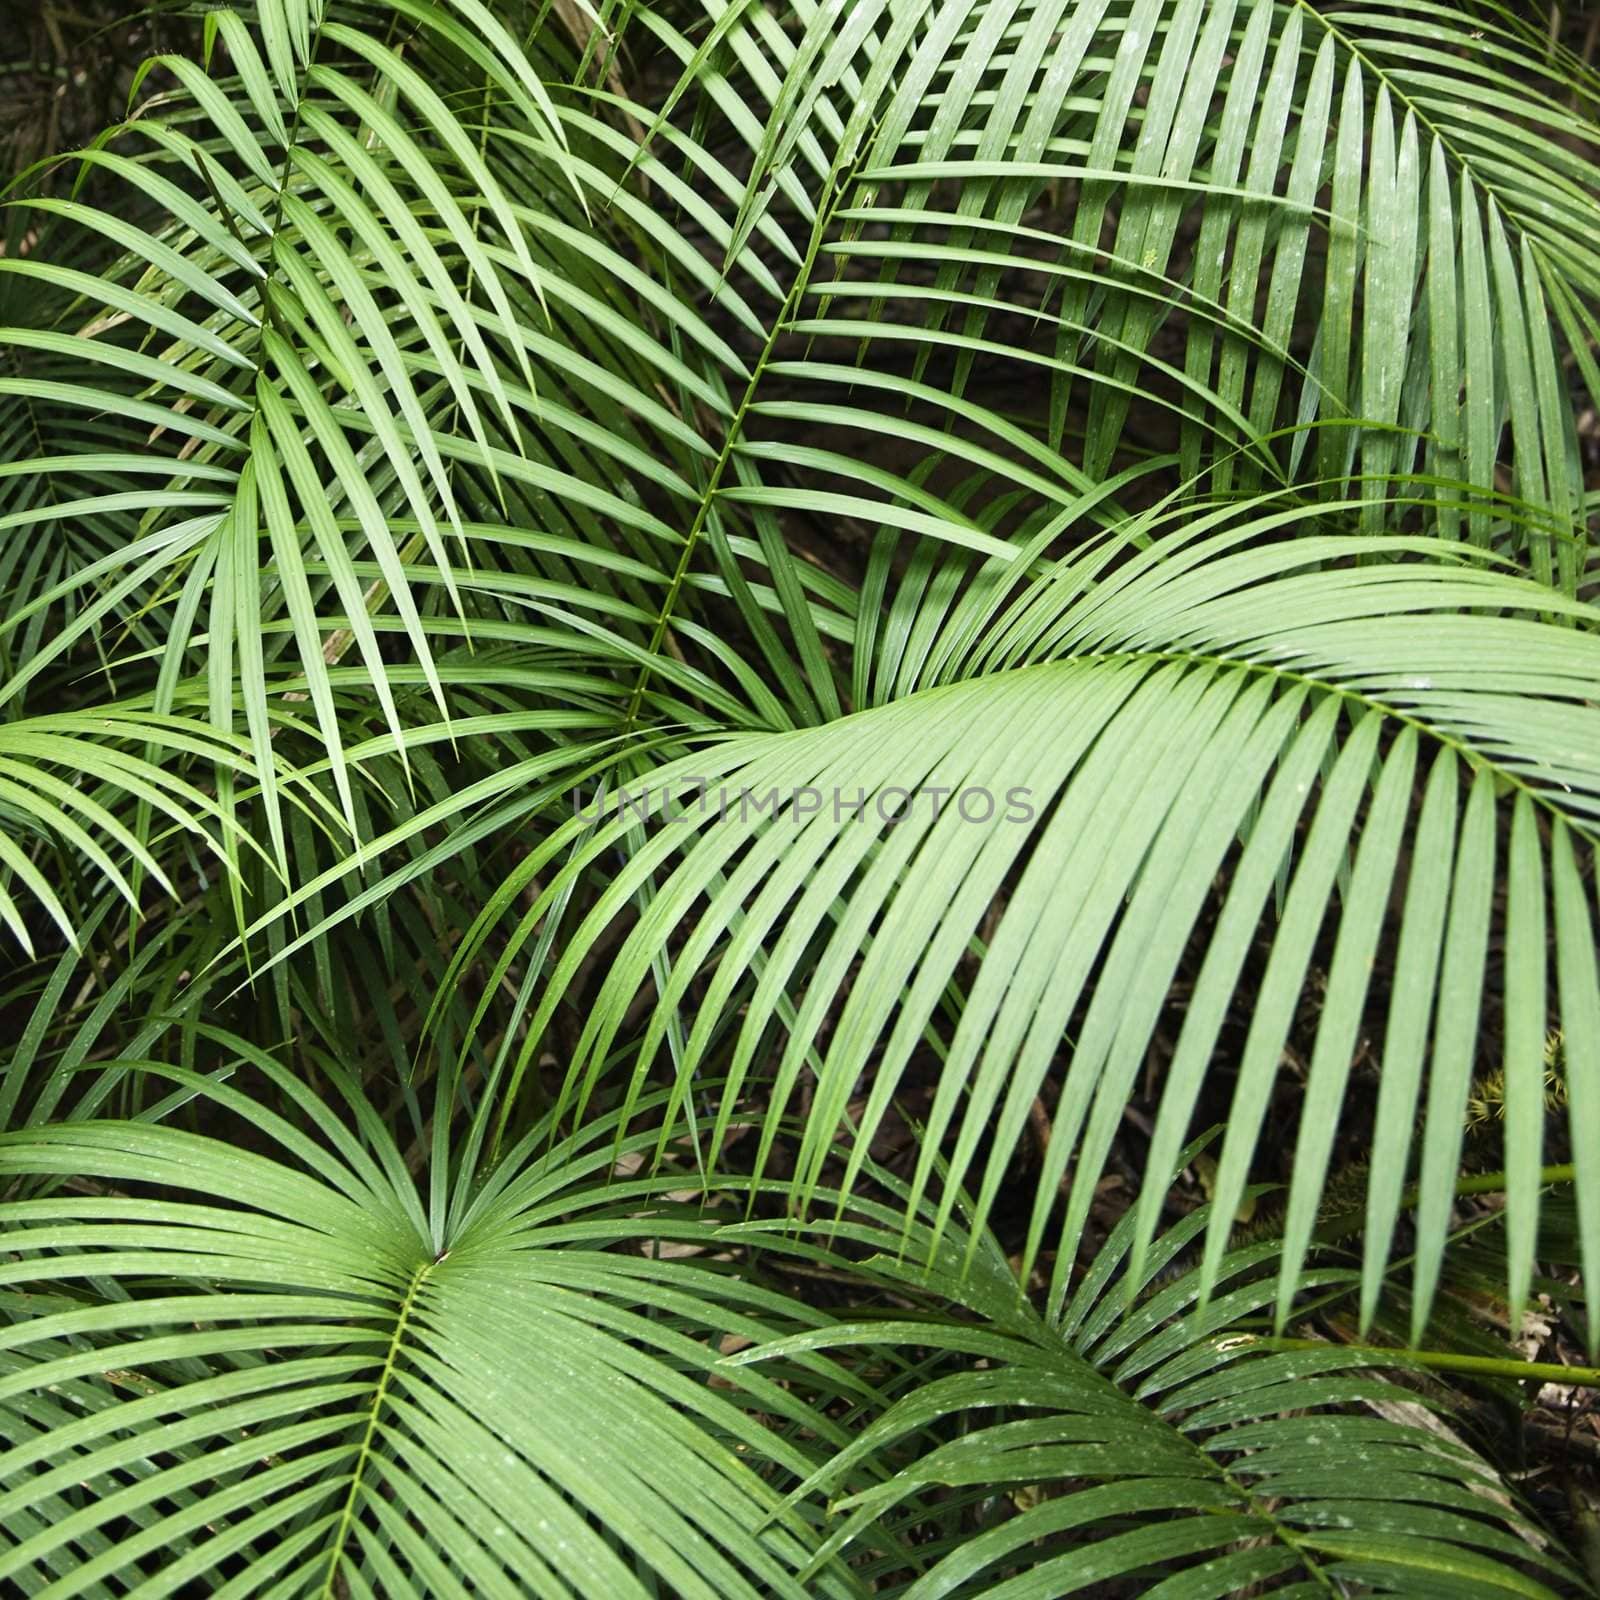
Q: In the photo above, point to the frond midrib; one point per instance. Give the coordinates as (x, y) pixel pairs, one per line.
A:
(1471, 754)
(1463, 163)
(364, 1452)
(838, 183)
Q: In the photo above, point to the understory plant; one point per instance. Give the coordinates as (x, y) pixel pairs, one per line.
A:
(799, 797)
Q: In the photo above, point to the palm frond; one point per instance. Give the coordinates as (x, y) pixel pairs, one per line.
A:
(1444, 212)
(286, 1373)
(1207, 705)
(1135, 1437)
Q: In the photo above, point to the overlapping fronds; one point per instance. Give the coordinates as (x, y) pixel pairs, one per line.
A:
(1076, 511)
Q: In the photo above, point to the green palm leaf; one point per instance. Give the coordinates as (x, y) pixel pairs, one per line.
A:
(278, 1374)
(1152, 1443)
(1206, 705)
(63, 779)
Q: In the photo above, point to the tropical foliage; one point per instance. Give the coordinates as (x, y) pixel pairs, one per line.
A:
(608, 604)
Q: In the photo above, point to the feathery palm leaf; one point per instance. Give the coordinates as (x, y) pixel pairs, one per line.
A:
(1155, 1442)
(1212, 704)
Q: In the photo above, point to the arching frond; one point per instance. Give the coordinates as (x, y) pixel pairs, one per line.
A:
(1207, 706)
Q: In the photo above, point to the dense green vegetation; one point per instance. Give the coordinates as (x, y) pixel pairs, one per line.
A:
(800, 799)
